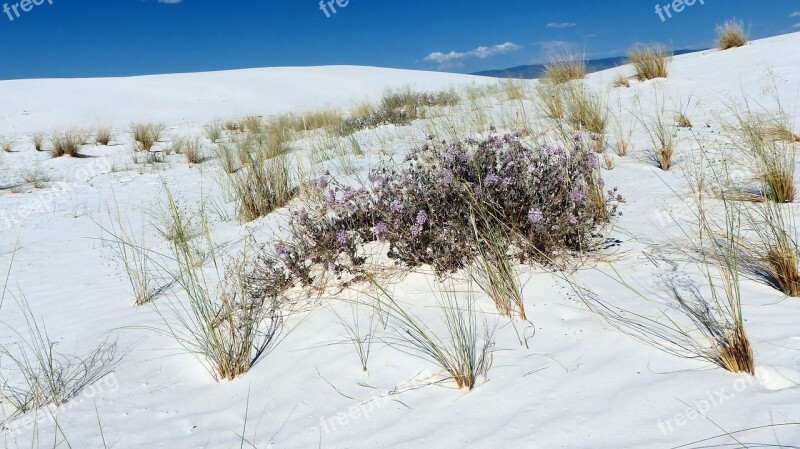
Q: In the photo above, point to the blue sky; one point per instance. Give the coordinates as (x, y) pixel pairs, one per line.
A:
(86, 38)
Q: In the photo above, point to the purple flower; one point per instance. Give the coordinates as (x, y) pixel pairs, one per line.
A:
(445, 177)
(280, 249)
(379, 181)
(330, 199)
(535, 216)
(323, 182)
(573, 220)
(380, 230)
(491, 180)
(422, 217)
(416, 230)
(397, 206)
(577, 195)
(342, 237)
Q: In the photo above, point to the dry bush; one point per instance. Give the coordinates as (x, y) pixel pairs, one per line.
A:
(760, 140)
(731, 34)
(515, 89)
(621, 81)
(462, 352)
(551, 100)
(103, 136)
(564, 69)
(66, 143)
(6, 144)
(650, 62)
(663, 134)
(38, 141)
(585, 110)
(226, 328)
(683, 121)
(775, 251)
(191, 147)
(147, 135)
(214, 132)
(253, 124)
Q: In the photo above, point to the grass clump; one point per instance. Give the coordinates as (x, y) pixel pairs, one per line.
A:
(213, 132)
(220, 323)
(564, 69)
(585, 110)
(761, 140)
(146, 136)
(461, 351)
(6, 144)
(399, 107)
(621, 81)
(551, 100)
(44, 376)
(663, 135)
(38, 141)
(650, 62)
(66, 143)
(731, 34)
(103, 136)
(263, 182)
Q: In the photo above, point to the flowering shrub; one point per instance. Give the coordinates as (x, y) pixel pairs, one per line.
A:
(544, 200)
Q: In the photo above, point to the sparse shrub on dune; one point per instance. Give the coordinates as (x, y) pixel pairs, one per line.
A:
(731, 34)
(683, 121)
(514, 89)
(213, 132)
(551, 100)
(261, 181)
(421, 209)
(662, 132)
(38, 141)
(698, 321)
(66, 143)
(650, 62)
(397, 108)
(564, 69)
(190, 147)
(621, 81)
(462, 351)
(586, 111)
(103, 136)
(146, 136)
(6, 144)
(228, 330)
(770, 253)
(763, 141)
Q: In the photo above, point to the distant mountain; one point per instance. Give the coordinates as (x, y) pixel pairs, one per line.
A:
(537, 70)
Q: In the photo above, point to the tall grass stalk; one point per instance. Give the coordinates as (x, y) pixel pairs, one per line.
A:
(462, 353)
(226, 329)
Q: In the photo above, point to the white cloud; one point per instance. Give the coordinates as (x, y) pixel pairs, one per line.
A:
(795, 14)
(457, 59)
(170, 2)
(561, 25)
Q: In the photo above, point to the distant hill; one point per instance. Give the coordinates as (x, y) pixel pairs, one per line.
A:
(537, 70)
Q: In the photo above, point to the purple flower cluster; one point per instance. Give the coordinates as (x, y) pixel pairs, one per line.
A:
(424, 207)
